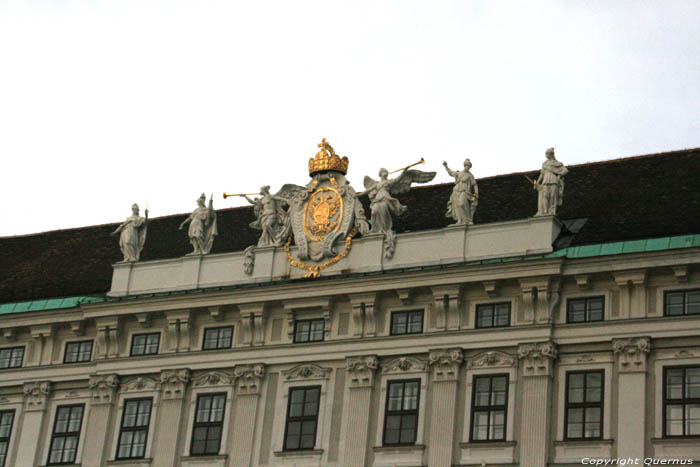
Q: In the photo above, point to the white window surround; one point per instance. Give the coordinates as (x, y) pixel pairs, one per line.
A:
(228, 410)
(471, 315)
(122, 398)
(59, 399)
(64, 345)
(303, 375)
(661, 294)
(669, 358)
(19, 414)
(426, 308)
(24, 355)
(199, 344)
(560, 318)
(130, 340)
(574, 450)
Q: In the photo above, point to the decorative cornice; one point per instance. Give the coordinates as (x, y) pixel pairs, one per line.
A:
(307, 371)
(362, 370)
(632, 354)
(213, 378)
(445, 363)
(36, 395)
(103, 388)
(249, 378)
(492, 359)
(174, 382)
(139, 384)
(537, 358)
(405, 364)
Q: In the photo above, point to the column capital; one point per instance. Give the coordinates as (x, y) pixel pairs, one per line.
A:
(103, 388)
(249, 378)
(173, 383)
(36, 395)
(362, 370)
(445, 363)
(537, 358)
(632, 354)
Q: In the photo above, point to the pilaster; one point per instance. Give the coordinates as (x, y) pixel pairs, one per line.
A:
(631, 355)
(445, 364)
(36, 397)
(107, 342)
(632, 285)
(252, 323)
(42, 340)
(447, 300)
(363, 314)
(537, 369)
(173, 386)
(248, 382)
(178, 330)
(104, 389)
(361, 371)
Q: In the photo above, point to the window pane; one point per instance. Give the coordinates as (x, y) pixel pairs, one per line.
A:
(225, 335)
(415, 324)
(5, 358)
(203, 409)
(485, 317)
(594, 382)
(674, 420)
(497, 425)
(692, 383)
(139, 446)
(674, 383)
(399, 323)
(503, 314)
(576, 388)
(481, 425)
(410, 396)
(408, 429)
(217, 409)
(692, 421)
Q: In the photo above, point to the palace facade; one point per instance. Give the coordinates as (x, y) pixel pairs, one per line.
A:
(518, 340)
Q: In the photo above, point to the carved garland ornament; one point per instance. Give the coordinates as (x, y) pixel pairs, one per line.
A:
(405, 364)
(315, 270)
(492, 359)
(306, 372)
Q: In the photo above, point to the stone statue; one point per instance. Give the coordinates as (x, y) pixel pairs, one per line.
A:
(465, 195)
(133, 234)
(383, 204)
(550, 185)
(202, 226)
(271, 216)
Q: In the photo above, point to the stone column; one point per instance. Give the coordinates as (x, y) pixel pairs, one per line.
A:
(445, 365)
(361, 372)
(537, 362)
(173, 384)
(36, 397)
(249, 379)
(631, 357)
(99, 418)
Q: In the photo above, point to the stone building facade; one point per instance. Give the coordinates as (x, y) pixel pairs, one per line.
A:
(502, 343)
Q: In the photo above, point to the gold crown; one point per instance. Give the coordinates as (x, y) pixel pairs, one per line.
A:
(327, 159)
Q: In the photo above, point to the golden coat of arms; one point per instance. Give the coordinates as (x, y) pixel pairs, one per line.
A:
(323, 213)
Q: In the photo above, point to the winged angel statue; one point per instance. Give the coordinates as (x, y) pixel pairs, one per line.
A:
(383, 204)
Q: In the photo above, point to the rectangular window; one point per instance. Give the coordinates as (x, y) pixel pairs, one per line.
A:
(145, 344)
(682, 402)
(309, 330)
(134, 429)
(493, 315)
(66, 434)
(406, 322)
(6, 419)
(218, 338)
(401, 413)
(208, 424)
(302, 418)
(584, 405)
(584, 310)
(78, 352)
(682, 302)
(489, 408)
(11, 357)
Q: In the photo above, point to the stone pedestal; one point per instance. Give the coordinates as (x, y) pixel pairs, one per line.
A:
(445, 371)
(360, 382)
(631, 386)
(537, 360)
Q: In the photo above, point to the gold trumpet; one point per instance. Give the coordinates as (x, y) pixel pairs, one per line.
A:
(421, 161)
(226, 195)
(534, 182)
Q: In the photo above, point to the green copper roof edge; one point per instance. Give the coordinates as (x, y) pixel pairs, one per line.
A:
(574, 252)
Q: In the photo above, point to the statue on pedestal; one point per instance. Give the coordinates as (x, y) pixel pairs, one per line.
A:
(465, 195)
(133, 234)
(271, 217)
(383, 204)
(550, 185)
(202, 226)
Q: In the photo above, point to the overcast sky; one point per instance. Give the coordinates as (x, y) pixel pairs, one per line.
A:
(107, 103)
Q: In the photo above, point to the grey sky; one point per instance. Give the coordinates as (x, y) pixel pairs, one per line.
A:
(103, 104)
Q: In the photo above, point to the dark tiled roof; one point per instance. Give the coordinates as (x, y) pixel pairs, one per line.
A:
(624, 199)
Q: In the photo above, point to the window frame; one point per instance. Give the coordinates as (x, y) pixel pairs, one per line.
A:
(145, 353)
(684, 401)
(587, 319)
(584, 405)
(122, 429)
(195, 424)
(685, 302)
(218, 329)
(79, 343)
(301, 418)
(402, 412)
(408, 313)
(310, 321)
(12, 349)
(66, 434)
(490, 407)
(480, 306)
(7, 439)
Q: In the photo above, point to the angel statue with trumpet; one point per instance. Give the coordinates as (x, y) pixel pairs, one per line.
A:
(465, 195)
(132, 234)
(383, 205)
(202, 226)
(271, 216)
